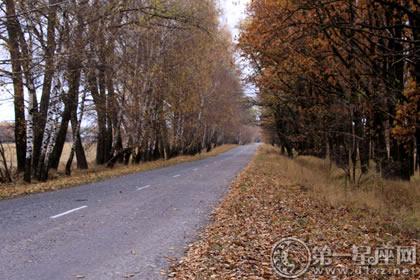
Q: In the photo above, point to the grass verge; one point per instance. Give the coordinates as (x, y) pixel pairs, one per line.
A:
(95, 174)
(274, 198)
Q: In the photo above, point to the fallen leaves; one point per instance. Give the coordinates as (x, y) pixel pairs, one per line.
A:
(263, 206)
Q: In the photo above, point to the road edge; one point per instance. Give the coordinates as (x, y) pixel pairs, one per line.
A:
(95, 175)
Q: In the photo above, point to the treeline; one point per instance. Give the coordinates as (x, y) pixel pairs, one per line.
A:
(153, 79)
(340, 79)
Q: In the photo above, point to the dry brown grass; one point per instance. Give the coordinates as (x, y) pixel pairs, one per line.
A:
(396, 201)
(98, 173)
(90, 151)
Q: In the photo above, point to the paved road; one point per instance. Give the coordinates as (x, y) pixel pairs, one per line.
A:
(119, 228)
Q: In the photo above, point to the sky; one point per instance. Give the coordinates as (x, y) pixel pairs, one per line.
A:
(233, 11)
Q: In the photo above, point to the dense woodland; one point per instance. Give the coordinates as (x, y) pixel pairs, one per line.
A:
(151, 79)
(340, 79)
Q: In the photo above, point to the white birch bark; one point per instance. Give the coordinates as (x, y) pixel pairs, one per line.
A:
(29, 126)
(53, 123)
(50, 131)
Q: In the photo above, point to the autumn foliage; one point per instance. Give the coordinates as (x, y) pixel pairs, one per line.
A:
(339, 78)
(141, 80)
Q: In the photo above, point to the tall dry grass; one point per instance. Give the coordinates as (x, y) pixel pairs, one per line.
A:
(90, 151)
(396, 201)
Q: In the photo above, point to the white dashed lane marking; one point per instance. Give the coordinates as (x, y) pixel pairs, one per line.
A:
(68, 212)
(143, 188)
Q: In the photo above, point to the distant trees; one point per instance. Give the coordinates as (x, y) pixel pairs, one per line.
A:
(157, 79)
(339, 78)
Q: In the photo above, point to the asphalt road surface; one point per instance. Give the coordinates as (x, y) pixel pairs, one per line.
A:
(120, 228)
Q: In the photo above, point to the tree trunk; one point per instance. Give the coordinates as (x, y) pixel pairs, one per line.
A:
(103, 147)
(50, 133)
(415, 22)
(77, 142)
(364, 150)
(41, 116)
(418, 148)
(78, 145)
(70, 106)
(29, 139)
(12, 26)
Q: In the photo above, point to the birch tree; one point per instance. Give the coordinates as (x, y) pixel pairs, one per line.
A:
(154, 79)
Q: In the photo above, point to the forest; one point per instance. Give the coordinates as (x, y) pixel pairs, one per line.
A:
(141, 79)
(340, 79)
